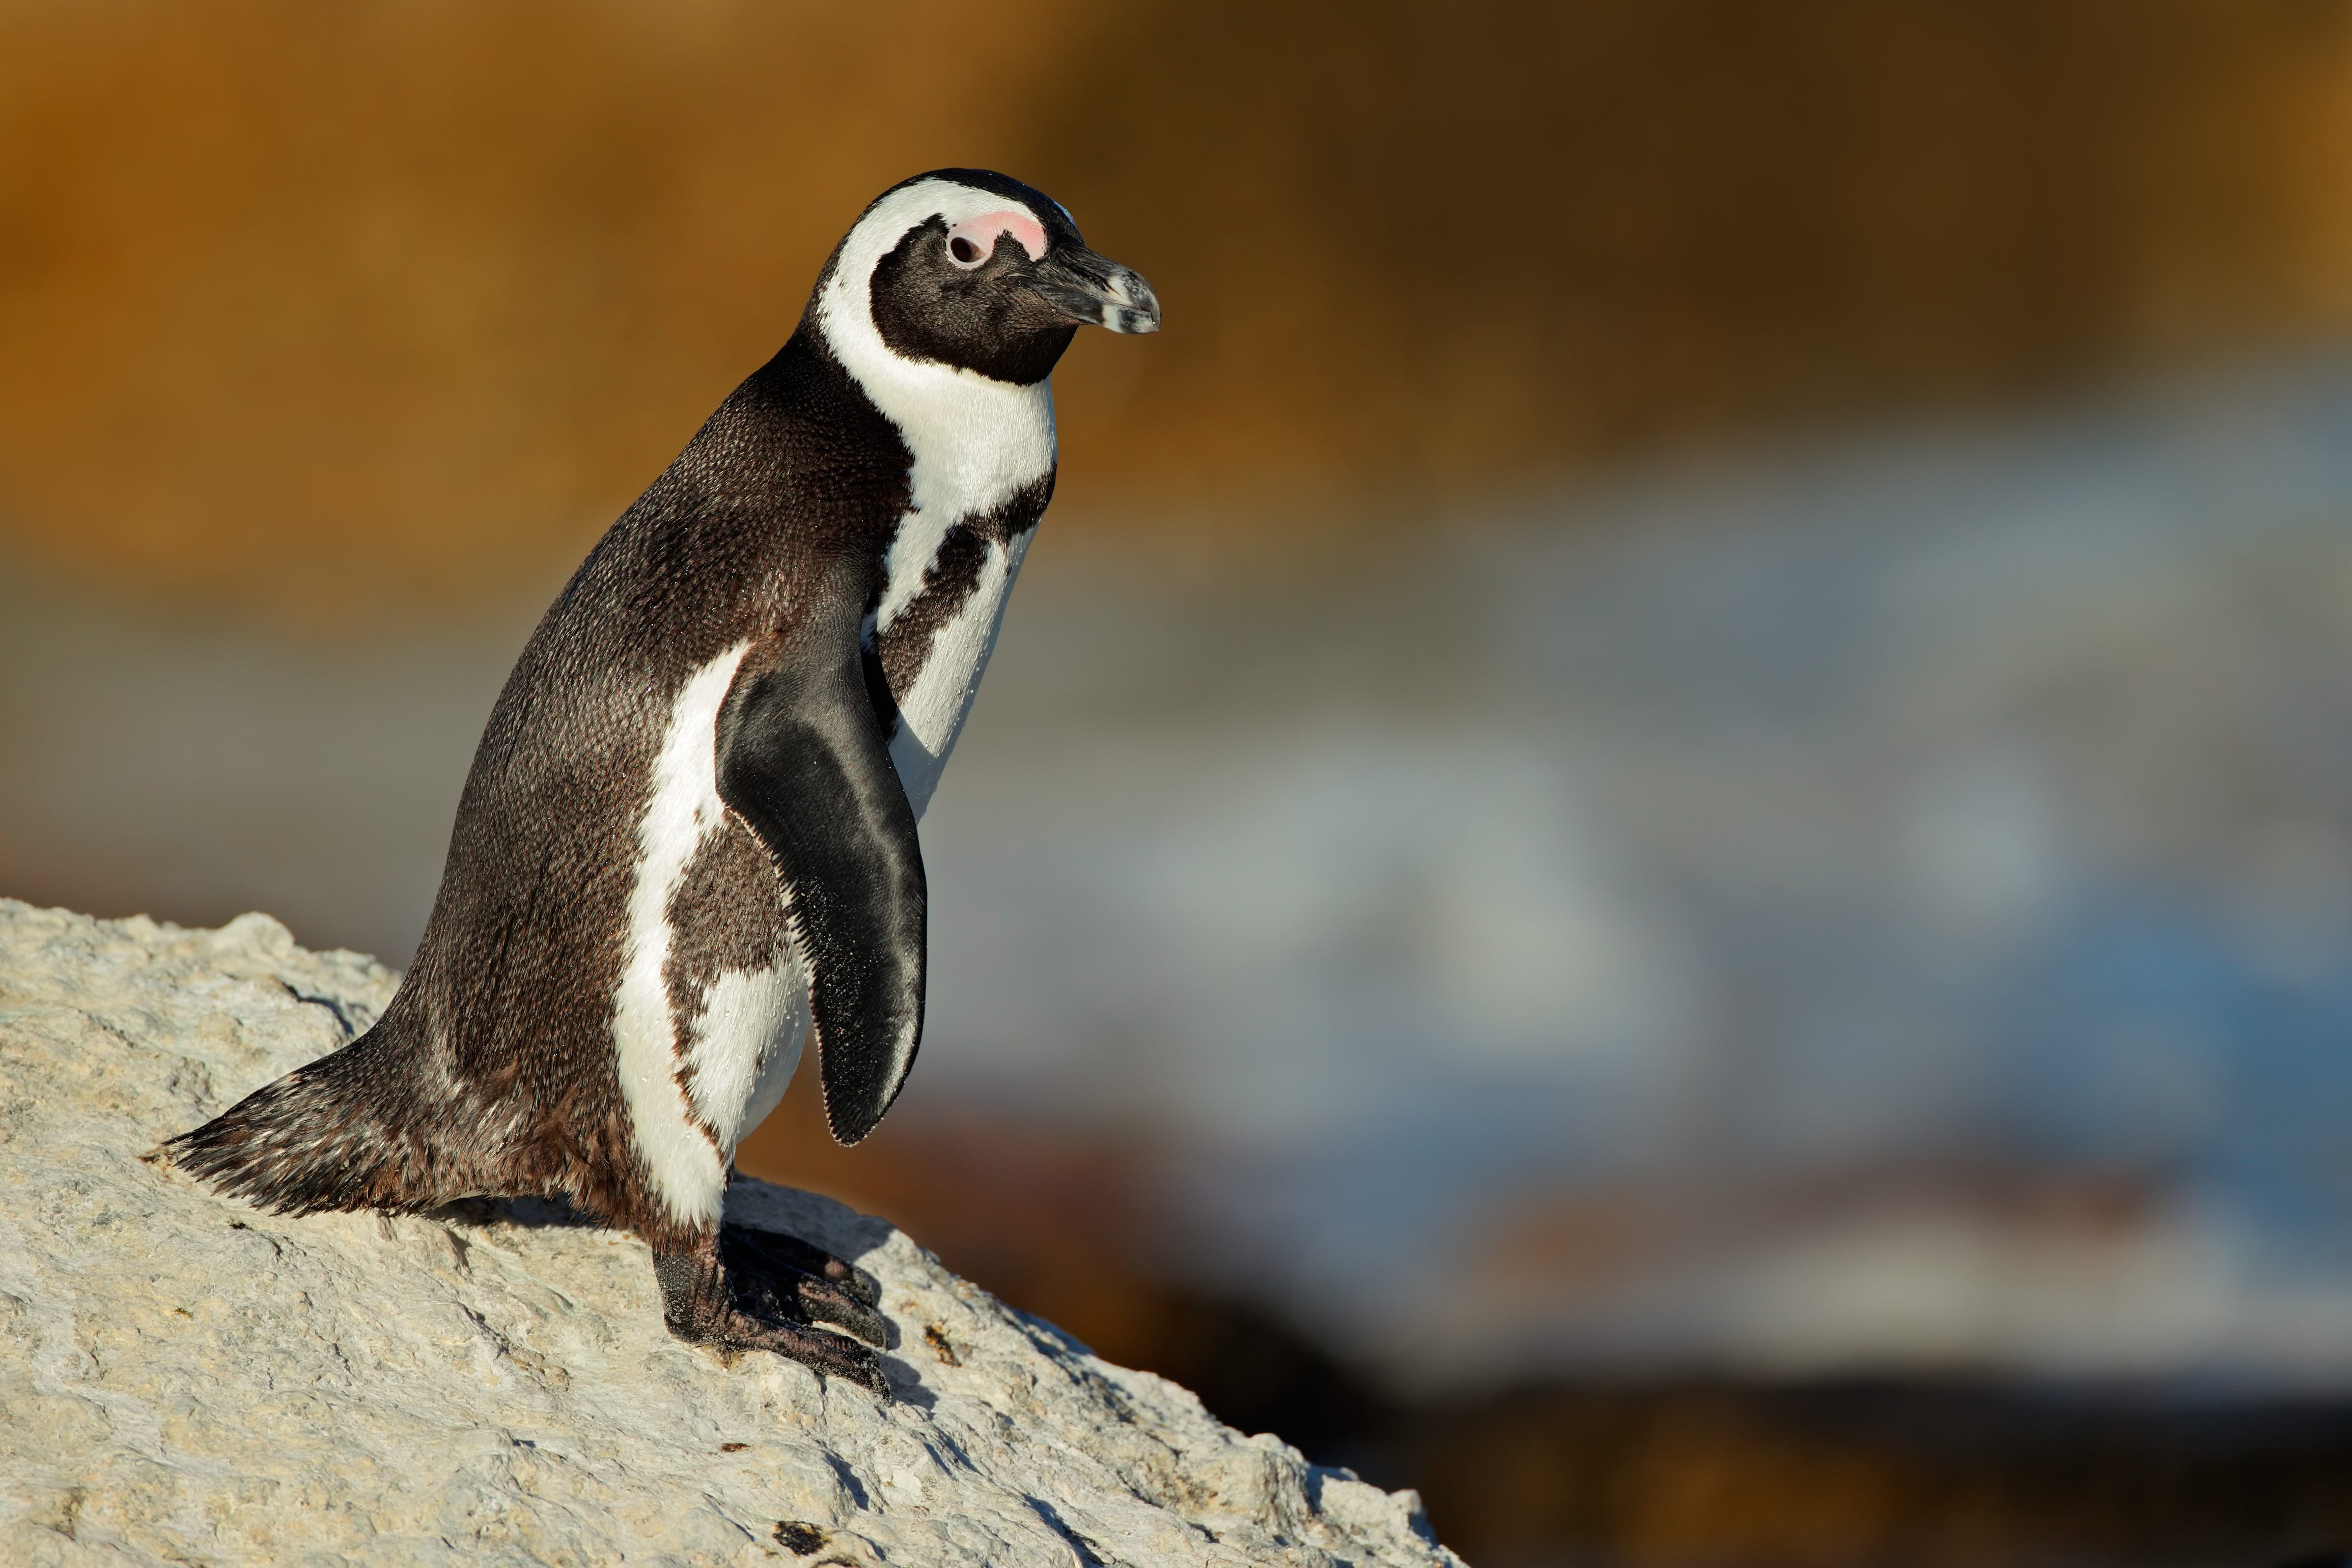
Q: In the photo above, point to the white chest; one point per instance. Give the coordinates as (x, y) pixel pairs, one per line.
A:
(978, 447)
(933, 704)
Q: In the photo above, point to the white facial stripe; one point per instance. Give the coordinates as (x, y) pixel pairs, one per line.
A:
(976, 443)
(932, 711)
(688, 1172)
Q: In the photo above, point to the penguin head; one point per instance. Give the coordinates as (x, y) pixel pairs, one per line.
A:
(961, 272)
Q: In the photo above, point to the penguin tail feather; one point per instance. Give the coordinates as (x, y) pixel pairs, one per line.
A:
(335, 1134)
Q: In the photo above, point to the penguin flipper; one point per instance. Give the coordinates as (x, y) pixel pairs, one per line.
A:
(803, 759)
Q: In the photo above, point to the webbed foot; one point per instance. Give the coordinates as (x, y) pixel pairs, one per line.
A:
(779, 1275)
(702, 1306)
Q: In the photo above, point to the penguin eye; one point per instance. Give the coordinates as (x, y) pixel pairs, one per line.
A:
(972, 243)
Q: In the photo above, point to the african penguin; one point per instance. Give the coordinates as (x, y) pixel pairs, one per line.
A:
(687, 841)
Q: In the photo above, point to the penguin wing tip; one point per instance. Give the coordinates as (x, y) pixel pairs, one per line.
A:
(847, 1132)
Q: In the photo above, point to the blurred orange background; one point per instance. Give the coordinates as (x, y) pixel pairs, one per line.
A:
(360, 309)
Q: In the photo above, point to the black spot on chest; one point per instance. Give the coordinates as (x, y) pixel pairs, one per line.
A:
(726, 916)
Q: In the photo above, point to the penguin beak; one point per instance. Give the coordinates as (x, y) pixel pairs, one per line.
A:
(1096, 291)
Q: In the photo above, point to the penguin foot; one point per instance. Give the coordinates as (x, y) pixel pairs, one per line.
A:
(782, 1276)
(819, 1350)
(702, 1306)
(795, 1253)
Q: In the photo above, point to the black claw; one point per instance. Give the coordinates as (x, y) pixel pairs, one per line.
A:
(868, 1374)
(823, 1302)
(827, 1353)
(820, 1351)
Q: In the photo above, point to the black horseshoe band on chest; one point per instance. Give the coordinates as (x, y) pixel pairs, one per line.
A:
(953, 576)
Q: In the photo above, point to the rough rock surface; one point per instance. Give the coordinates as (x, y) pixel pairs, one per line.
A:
(183, 1379)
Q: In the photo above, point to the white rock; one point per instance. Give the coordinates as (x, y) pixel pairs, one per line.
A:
(183, 1379)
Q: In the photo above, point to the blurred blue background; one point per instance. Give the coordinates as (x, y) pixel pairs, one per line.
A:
(1885, 901)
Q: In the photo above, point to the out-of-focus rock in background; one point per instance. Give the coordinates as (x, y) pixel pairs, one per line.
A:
(193, 1380)
(1663, 839)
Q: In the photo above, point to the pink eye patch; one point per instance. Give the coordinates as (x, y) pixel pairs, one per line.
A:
(974, 241)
